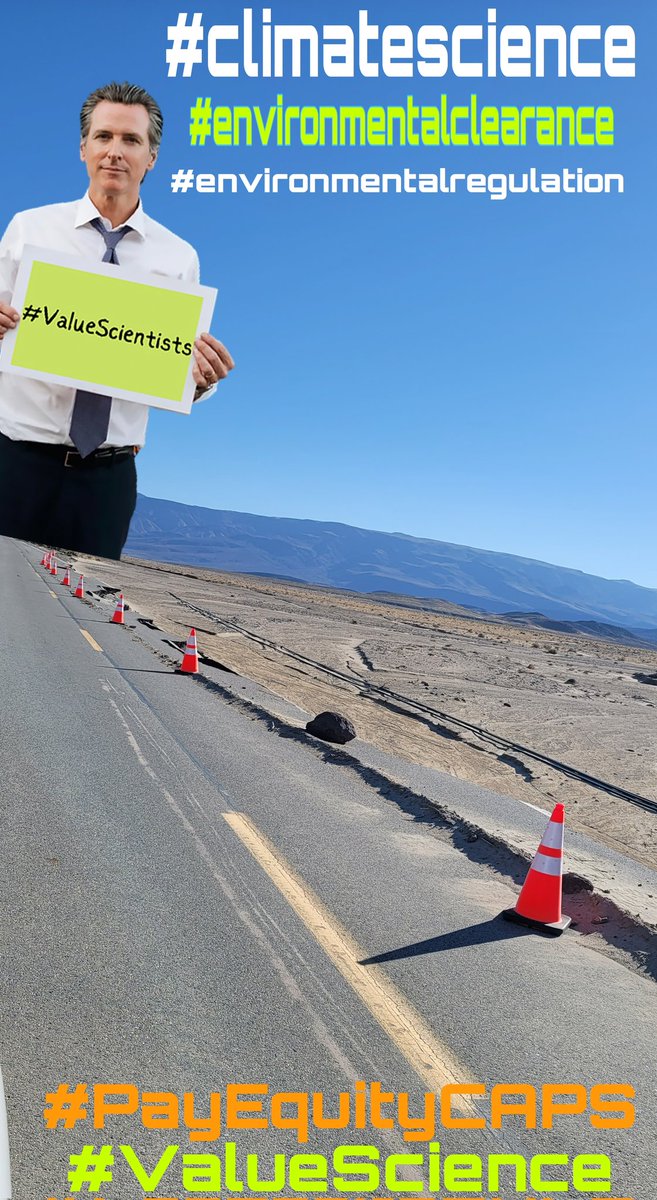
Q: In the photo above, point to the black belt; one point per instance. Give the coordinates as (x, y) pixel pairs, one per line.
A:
(72, 458)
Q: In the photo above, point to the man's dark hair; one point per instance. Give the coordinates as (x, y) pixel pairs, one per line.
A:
(124, 93)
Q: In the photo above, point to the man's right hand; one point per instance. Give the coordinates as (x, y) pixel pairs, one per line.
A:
(8, 319)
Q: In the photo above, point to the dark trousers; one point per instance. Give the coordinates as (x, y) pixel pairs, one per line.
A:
(85, 507)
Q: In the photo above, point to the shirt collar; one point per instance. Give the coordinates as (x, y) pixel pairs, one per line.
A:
(86, 211)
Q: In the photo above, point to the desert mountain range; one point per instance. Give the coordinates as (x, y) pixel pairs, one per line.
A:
(364, 560)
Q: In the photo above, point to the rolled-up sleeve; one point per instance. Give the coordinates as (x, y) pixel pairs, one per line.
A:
(193, 275)
(10, 252)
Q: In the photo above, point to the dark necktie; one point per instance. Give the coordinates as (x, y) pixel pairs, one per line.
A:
(91, 412)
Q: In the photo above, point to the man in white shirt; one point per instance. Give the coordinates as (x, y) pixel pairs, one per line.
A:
(67, 458)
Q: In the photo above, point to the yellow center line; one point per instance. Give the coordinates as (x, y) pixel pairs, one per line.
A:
(428, 1056)
(94, 645)
(53, 594)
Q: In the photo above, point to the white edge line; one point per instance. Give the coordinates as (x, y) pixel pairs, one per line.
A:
(5, 1177)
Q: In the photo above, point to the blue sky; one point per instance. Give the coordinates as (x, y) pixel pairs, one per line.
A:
(474, 371)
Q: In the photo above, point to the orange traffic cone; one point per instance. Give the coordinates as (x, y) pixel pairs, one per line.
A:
(117, 618)
(539, 903)
(53, 565)
(66, 581)
(189, 664)
(79, 591)
(44, 558)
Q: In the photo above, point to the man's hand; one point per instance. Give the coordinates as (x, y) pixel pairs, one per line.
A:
(9, 319)
(212, 362)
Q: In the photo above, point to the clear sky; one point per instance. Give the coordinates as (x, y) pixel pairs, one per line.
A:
(453, 367)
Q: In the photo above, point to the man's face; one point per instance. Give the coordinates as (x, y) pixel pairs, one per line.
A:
(117, 150)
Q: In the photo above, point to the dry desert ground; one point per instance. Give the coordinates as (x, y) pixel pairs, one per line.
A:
(573, 698)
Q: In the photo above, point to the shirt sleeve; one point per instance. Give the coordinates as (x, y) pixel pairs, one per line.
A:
(193, 268)
(193, 275)
(10, 253)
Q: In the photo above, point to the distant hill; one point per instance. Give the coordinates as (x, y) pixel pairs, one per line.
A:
(364, 560)
(598, 629)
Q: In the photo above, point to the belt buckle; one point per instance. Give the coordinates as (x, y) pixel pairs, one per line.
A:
(66, 462)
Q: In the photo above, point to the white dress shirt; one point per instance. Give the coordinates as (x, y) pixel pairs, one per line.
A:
(34, 411)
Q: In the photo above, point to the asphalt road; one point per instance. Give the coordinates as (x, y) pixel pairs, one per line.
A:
(187, 900)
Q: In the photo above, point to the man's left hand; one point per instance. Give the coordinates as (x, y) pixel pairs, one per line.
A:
(212, 362)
